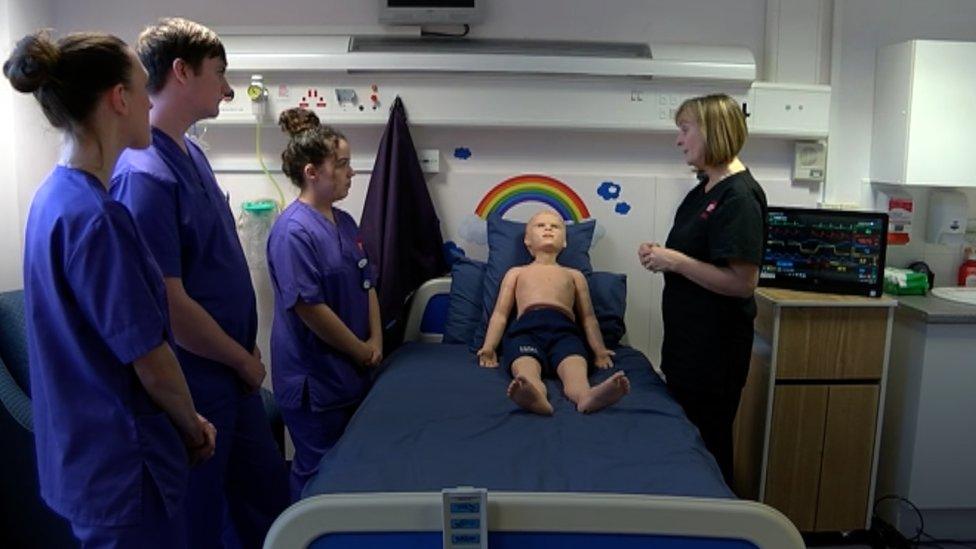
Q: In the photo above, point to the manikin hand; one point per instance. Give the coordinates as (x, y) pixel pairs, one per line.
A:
(487, 358)
(603, 358)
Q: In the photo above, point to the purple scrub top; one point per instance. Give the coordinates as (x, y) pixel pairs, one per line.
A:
(190, 229)
(312, 260)
(95, 302)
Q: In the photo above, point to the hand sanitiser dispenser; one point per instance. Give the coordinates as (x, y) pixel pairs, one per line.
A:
(948, 211)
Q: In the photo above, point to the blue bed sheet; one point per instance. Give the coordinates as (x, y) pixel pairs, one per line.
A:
(434, 420)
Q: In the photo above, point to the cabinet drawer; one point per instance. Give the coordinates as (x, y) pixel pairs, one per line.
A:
(831, 343)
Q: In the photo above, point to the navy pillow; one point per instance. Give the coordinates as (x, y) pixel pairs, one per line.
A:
(506, 249)
(464, 308)
(608, 292)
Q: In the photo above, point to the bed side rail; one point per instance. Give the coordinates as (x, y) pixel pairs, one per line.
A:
(427, 303)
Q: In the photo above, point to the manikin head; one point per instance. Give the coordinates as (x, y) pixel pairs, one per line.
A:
(545, 232)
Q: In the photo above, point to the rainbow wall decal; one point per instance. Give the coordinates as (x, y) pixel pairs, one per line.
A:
(533, 188)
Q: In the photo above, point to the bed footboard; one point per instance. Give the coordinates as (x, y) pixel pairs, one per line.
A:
(520, 518)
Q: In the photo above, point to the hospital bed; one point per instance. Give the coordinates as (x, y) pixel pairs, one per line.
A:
(634, 475)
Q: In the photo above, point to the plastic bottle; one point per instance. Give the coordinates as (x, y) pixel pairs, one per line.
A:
(967, 271)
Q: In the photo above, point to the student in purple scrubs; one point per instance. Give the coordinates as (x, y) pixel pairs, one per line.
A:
(326, 331)
(115, 425)
(188, 225)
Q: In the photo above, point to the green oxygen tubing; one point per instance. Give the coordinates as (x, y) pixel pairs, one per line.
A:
(258, 94)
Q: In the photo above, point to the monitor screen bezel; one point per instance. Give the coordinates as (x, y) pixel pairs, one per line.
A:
(828, 286)
(431, 15)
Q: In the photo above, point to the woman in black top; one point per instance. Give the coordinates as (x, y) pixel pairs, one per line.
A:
(711, 265)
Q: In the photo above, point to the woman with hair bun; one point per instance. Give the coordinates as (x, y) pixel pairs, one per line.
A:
(326, 331)
(114, 423)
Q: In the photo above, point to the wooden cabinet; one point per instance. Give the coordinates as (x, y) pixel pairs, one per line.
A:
(807, 430)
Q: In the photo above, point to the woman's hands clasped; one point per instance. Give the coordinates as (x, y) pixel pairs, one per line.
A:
(659, 259)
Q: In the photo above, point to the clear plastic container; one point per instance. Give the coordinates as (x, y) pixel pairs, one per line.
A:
(254, 226)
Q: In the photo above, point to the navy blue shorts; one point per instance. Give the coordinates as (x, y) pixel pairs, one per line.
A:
(546, 335)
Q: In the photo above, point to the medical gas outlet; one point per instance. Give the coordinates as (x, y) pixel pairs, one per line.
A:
(258, 94)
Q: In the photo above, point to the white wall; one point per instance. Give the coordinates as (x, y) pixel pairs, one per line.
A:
(9, 241)
(861, 27)
(28, 147)
(739, 23)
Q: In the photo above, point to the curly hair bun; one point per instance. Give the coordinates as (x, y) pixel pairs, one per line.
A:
(32, 62)
(297, 120)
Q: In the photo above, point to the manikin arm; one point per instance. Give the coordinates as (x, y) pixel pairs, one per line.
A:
(584, 308)
(499, 317)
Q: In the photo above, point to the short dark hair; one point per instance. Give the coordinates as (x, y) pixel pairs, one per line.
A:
(174, 38)
(310, 143)
(68, 77)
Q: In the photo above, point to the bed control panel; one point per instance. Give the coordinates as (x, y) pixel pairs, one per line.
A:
(465, 518)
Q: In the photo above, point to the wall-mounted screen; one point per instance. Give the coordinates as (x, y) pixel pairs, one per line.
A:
(431, 12)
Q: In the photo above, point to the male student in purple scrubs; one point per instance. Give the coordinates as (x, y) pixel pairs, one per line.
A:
(187, 223)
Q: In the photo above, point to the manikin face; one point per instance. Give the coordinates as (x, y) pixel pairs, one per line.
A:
(691, 141)
(208, 86)
(545, 232)
(335, 174)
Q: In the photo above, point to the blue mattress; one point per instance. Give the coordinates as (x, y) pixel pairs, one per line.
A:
(434, 420)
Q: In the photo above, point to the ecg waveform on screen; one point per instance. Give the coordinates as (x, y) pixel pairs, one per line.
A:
(834, 249)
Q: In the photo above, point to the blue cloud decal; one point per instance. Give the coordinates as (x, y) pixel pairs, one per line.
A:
(608, 190)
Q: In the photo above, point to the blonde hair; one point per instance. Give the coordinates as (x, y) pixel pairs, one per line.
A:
(722, 123)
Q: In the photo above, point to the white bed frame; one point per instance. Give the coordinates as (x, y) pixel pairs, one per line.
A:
(418, 304)
(754, 522)
(312, 518)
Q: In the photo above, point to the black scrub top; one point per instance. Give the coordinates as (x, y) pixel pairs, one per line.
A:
(708, 336)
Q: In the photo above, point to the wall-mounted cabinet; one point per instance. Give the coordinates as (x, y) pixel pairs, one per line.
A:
(924, 114)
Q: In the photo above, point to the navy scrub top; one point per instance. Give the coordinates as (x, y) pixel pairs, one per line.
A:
(190, 229)
(95, 302)
(313, 260)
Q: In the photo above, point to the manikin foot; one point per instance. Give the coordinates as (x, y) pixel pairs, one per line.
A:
(605, 394)
(528, 396)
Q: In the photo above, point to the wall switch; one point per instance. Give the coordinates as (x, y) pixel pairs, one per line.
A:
(430, 160)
